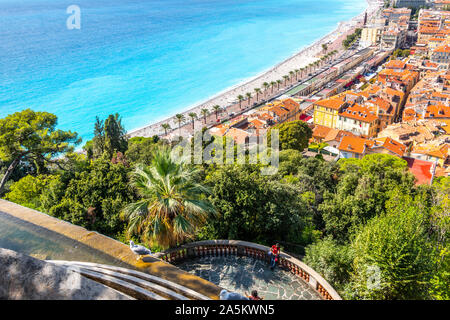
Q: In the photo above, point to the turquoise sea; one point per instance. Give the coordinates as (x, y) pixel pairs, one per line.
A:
(146, 59)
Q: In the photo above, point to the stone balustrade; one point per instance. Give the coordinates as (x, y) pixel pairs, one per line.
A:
(256, 251)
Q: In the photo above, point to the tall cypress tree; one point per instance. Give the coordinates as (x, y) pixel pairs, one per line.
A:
(109, 137)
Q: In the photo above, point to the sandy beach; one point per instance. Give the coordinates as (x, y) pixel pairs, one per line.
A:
(227, 99)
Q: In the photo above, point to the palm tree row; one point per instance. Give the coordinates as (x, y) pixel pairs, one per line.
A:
(181, 118)
(289, 77)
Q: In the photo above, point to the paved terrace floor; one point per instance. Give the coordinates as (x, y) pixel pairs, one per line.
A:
(244, 274)
(45, 237)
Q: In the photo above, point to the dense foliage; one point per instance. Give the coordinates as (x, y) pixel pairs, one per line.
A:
(255, 209)
(92, 197)
(399, 53)
(292, 135)
(363, 224)
(362, 191)
(30, 138)
(397, 247)
(332, 259)
(351, 38)
(109, 138)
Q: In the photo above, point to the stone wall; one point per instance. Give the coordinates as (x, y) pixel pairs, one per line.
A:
(25, 278)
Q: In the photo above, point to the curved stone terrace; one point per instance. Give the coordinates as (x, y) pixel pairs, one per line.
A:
(244, 274)
(242, 266)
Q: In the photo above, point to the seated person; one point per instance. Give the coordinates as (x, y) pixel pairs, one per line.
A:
(255, 296)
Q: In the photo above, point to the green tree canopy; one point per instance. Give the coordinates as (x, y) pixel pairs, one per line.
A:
(440, 282)
(31, 137)
(27, 191)
(92, 198)
(141, 150)
(292, 135)
(254, 208)
(362, 191)
(393, 256)
(109, 137)
(332, 261)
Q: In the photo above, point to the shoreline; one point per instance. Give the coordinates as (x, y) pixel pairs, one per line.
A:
(228, 97)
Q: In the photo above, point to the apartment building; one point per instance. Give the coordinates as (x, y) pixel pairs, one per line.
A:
(432, 23)
(441, 54)
(358, 120)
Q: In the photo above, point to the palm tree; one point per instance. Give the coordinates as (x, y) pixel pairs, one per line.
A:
(204, 113)
(279, 82)
(240, 98)
(296, 74)
(301, 72)
(166, 127)
(216, 110)
(285, 79)
(325, 47)
(249, 96)
(272, 84)
(257, 90)
(180, 118)
(265, 85)
(333, 53)
(172, 206)
(316, 63)
(291, 73)
(193, 116)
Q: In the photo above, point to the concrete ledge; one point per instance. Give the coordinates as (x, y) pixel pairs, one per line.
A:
(152, 283)
(145, 276)
(118, 284)
(25, 278)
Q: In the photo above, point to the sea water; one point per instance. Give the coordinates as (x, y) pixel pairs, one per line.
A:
(146, 59)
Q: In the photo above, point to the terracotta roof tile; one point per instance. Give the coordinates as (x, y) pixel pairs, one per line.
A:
(359, 112)
(391, 145)
(354, 144)
(333, 103)
(320, 131)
